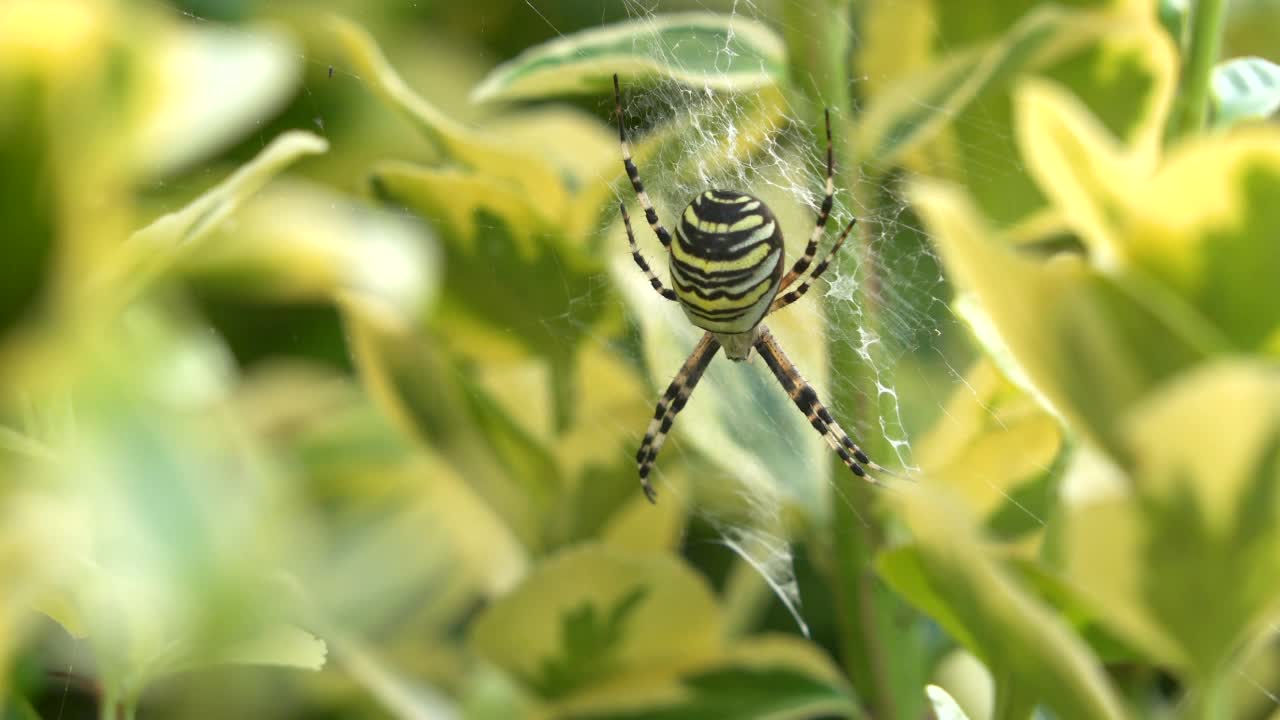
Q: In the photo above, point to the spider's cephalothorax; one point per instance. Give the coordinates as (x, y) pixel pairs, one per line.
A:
(726, 266)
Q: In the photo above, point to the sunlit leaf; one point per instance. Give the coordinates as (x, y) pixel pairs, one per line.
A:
(1112, 54)
(281, 645)
(1194, 521)
(63, 161)
(500, 257)
(584, 152)
(1201, 242)
(720, 52)
(593, 615)
(1128, 76)
(910, 112)
(999, 621)
(155, 249)
(296, 241)
(167, 540)
(212, 86)
(424, 392)
(944, 707)
(967, 682)
(640, 526)
(1074, 331)
(522, 170)
(997, 448)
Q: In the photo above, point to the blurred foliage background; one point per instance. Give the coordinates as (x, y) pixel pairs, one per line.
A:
(323, 364)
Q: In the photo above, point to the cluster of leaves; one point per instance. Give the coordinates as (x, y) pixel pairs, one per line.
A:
(445, 507)
(1116, 274)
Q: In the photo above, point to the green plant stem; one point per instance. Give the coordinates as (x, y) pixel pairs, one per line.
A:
(1191, 112)
(109, 706)
(818, 43)
(1009, 703)
(1211, 699)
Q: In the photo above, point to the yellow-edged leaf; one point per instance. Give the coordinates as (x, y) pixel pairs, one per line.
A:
(1153, 561)
(1090, 343)
(1204, 242)
(998, 619)
(520, 169)
(704, 50)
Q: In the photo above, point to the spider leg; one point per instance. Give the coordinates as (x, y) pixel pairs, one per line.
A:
(670, 405)
(634, 175)
(664, 291)
(794, 295)
(806, 398)
(811, 249)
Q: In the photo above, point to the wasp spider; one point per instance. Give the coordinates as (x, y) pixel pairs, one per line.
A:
(726, 269)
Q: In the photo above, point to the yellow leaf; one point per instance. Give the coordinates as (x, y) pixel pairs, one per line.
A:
(1007, 627)
(1091, 344)
(989, 440)
(1204, 241)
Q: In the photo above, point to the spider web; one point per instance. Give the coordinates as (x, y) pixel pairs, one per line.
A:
(903, 334)
(906, 341)
(902, 330)
(779, 462)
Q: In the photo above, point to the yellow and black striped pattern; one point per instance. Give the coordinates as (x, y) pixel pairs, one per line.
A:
(726, 261)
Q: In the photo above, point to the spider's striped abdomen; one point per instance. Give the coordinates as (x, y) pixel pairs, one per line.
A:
(726, 261)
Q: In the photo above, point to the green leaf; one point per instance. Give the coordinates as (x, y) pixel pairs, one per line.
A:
(500, 257)
(1024, 643)
(773, 676)
(594, 615)
(1193, 251)
(1117, 59)
(998, 448)
(422, 388)
(160, 561)
(155, 249)
(589, 643)
(1244, 89)
(703, 50)
(298, 242)
(399, 694)
(1193, 521)
(912, 111)
(904, 570)
(279, 645)
(777, 693)
(520, 169)
(1092, 344)
(29, 202)
(13, 707)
